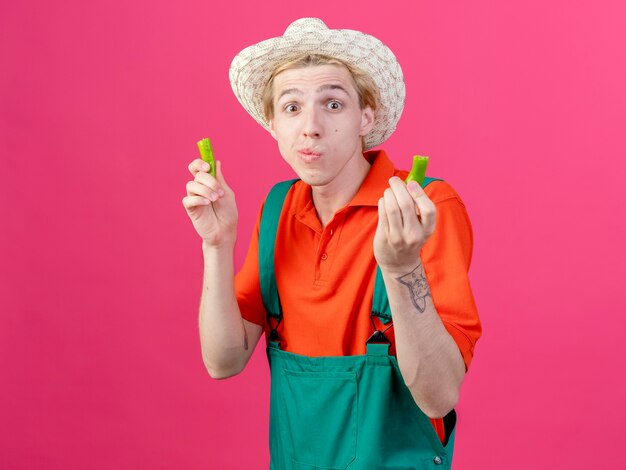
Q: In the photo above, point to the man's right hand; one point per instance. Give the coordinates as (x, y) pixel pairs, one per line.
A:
(210, 204)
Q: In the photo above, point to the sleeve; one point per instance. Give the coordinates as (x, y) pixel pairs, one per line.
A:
(446, 257)
(247, 284)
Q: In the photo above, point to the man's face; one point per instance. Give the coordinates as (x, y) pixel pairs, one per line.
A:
(318, 123)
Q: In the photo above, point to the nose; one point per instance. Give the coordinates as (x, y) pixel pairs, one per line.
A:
(311, 126)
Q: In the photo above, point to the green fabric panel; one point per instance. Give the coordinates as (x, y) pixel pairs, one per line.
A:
(428, 180)
(348, 412)
(380, 302)
(378, 349)
(267, 238)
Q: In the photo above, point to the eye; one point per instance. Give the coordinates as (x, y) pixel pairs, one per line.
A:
(291, 108)
(334, 105)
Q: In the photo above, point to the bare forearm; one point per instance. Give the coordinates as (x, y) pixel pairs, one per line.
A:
(222, 334)
(429, 359)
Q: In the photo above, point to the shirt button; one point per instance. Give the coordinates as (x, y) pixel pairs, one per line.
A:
(438, 460)
(324, 256)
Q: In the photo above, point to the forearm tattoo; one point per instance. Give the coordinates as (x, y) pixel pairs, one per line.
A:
(418, 287)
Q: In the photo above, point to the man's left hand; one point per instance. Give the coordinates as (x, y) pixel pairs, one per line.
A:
(406, 219)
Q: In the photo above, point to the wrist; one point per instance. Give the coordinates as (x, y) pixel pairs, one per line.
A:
(397, 270)
(225, 245)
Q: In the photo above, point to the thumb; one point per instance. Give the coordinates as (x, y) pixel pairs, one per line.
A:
(219, 175)
(415, 190)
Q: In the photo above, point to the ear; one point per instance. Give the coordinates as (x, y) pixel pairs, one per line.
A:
(367, 120)
(272, 130)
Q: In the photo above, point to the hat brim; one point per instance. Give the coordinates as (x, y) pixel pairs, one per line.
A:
(252, 68)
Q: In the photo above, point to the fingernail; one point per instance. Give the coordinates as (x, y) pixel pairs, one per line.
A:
(412, 186)
(221, 192)
(205, 166)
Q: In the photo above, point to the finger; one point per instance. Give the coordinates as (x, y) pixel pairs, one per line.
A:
(210, 182)
(394, 216)
(194, 201)
(195, 188)
(426, 208)
(406, 203)
(198, 165)
(383, 222)
(219, 175)
(428, 214)
(418, 194)
(415, 190)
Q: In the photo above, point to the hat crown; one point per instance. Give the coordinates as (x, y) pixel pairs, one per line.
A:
(304, 25)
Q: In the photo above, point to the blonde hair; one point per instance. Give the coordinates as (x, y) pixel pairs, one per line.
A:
(365, 86)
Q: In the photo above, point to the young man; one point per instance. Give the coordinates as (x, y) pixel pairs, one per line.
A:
(337, 259)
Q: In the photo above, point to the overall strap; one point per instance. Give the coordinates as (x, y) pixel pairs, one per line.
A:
(267, 239)
(380, 302)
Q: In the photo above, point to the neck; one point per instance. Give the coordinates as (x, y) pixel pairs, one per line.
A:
(330, 198)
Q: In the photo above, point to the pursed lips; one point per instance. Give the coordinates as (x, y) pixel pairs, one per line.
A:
(309, 155)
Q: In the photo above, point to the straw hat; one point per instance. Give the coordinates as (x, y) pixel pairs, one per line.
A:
(251, 69)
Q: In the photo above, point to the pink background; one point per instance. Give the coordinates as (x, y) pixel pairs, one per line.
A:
(520, 106)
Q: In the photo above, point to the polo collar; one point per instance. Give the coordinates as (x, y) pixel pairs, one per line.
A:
(376, 181)
(372, 189)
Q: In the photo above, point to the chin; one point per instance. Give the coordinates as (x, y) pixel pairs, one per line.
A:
(312, 180)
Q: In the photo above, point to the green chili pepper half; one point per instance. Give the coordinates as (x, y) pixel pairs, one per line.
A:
(206, 152)
(418, 172)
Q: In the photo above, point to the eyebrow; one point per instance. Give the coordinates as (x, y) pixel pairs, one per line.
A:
(332, 87)
(289, 91)
(296, 91)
